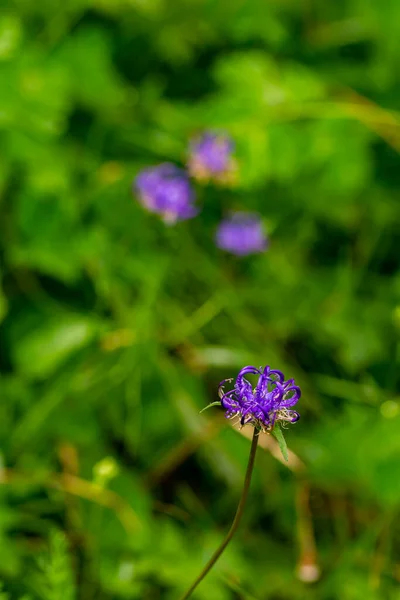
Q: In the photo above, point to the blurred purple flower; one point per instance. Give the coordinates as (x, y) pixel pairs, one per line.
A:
(268, 402)
(242, 233)
(210, 157)
(166, 190)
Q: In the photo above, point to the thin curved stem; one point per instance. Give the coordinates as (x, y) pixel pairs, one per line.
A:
(236, 520)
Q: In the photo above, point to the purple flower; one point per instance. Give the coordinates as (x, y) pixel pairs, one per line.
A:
(265, 404)
(211, 158)
(242, 233)
(166, 190)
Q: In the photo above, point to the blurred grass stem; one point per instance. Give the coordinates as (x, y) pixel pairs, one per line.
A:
(236, 520)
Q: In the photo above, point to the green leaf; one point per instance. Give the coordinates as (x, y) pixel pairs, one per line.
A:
(52, 344)
(278, 435)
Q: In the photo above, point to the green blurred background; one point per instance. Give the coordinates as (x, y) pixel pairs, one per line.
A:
(117, 330)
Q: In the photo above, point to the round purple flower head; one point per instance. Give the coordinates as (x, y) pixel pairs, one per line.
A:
(242, 233)
(265, 404)
(211, 158)
(166, 190)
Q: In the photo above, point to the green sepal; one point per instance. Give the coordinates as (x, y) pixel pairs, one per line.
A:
(216, 403)
(278, 435)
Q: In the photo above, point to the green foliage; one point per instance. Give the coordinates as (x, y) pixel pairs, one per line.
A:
(115, 331)
(54, 579)
(5, 596)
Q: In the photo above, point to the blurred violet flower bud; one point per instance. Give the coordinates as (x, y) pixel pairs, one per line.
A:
(265, 404)
(242, 233)
(210, 158)
(166, 190)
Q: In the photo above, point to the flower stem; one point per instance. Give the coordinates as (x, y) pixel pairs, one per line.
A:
(236, 520)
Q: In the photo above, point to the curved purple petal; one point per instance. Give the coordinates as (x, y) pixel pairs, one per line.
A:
(288, 400)
(228, 402)
(247, 370)
(268, 372)
(294, 416)
(289, 383)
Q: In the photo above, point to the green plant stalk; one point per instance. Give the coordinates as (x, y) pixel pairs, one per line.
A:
(236, 520)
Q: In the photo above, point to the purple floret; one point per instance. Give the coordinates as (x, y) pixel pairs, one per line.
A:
(262, 406)
(166, 190)
(241, 234)
(210, 157)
